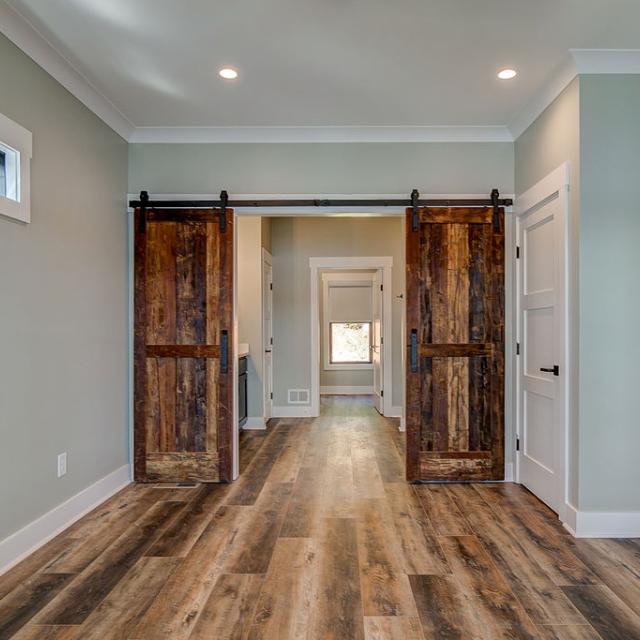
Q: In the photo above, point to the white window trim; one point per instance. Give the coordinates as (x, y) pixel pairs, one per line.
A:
(20, 140)
(344, 279)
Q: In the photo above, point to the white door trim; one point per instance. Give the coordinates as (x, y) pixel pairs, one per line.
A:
(555, 185)
(385, 264)
(267, 259)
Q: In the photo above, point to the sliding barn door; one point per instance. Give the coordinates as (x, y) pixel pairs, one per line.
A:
(183, 337)
(455, 329)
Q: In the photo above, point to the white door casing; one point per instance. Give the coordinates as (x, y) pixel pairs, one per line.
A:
(377, 340)
(267, 332)
(542, 364)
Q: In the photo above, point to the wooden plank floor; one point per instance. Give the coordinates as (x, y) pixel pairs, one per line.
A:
(321, 538)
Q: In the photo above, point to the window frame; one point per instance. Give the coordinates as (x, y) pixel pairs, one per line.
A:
(17, 138)
(351, 362)
(344, 278)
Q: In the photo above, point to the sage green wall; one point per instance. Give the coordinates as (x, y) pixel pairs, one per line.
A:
(321, 168)
(609, 293)
(554, 138)
(294, 241)
(63, 295)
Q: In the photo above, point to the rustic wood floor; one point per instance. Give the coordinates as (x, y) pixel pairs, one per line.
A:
(322, 538)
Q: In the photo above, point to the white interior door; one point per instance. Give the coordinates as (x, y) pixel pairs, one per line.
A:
(542, 337)
(376, 342)
(267, 332)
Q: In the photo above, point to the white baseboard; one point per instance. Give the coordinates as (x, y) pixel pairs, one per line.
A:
(292, 411)
(508, 472)
(346, 391)
(32, 536)
(396, 412)
(255, 424)
(602, 524)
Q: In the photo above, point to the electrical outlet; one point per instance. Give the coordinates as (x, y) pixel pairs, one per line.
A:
(62, 464)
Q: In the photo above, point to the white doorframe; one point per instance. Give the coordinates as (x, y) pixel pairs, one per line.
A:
(267, 372)
(385, 264)
(555, 185)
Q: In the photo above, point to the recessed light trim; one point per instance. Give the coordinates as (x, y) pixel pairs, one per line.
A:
(228, 73)
(507, 74)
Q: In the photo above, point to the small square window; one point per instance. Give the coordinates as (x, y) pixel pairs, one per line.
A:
(9, 173)
(350, 342)
(15, 168)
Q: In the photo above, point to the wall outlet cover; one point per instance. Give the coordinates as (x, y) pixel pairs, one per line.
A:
(62, 464)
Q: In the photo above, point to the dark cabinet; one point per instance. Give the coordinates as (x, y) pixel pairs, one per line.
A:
(242, 390)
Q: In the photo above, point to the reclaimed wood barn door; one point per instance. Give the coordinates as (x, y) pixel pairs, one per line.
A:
(183, 335)
(455, 333)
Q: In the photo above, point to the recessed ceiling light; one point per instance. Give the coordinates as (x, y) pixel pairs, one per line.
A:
(507, 74)
(228, 73)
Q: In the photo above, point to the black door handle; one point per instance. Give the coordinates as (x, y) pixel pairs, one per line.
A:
(414, 351)
(555, 370)
(224, 351)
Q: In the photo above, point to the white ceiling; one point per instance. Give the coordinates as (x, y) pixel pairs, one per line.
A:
(316, 63)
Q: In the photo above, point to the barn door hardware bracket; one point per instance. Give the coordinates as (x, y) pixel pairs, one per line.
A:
(495, 200)
(415, 196)
(224, 201)
(144, 199)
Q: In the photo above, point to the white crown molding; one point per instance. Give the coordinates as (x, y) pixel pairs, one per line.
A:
(606, 61)
(27, 38)
(320, 134)
(578, 62)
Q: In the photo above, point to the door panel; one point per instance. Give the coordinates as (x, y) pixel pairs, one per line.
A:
(541, 406)
(455, 373)
(183, 337)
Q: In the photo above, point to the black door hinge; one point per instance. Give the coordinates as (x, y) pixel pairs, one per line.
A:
(381, 287)
(381, 339)
(271, 341)
(271, 396)
(271, 286)
(382, 393)
(517, 253)
(517, 444)
(517, 348)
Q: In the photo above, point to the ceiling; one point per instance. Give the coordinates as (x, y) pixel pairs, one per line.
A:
(319, 63)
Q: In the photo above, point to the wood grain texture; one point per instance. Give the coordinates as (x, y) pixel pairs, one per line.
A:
(400, 561)
(455, 303)
(74, 604)
(183, 303)
(606, 613)
(456, 215)
(228, 612)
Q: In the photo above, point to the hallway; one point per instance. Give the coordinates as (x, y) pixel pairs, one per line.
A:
(322, 538)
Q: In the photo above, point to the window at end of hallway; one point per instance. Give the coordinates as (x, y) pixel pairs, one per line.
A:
(350, 342)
